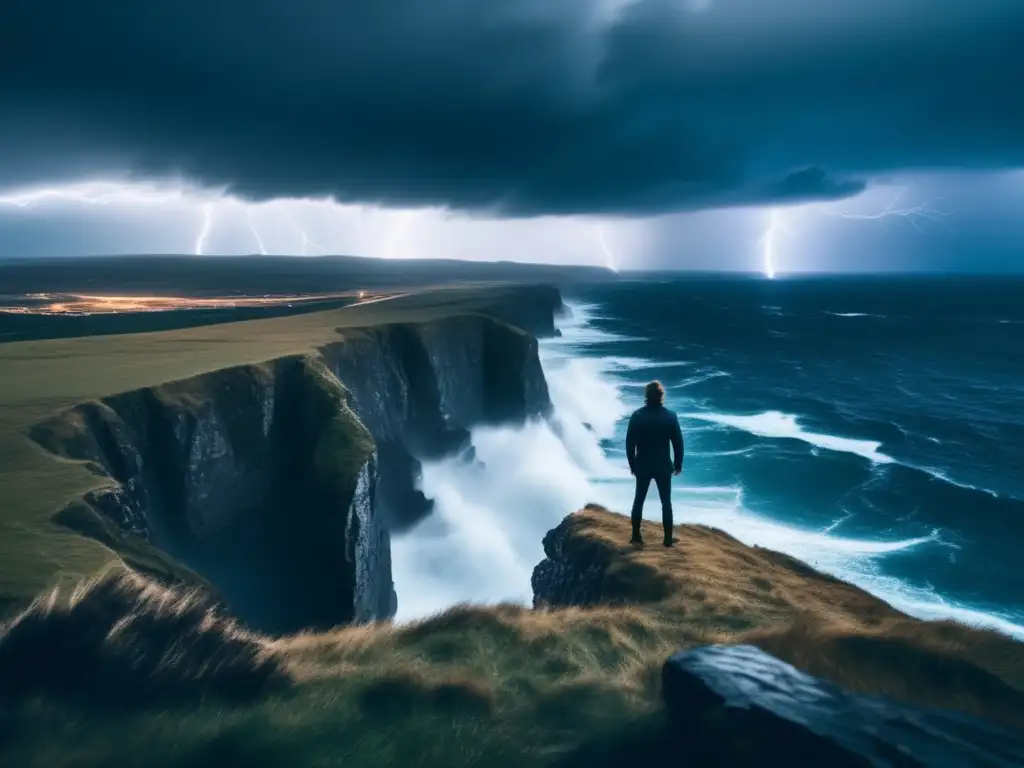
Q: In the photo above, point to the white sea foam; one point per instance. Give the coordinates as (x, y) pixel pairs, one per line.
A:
(485, 536)
(737, 452)
(939, 475)
(699, 379)
(641, 364)
(486, 533)
(776, 424)
(578, 330)
(853, 314)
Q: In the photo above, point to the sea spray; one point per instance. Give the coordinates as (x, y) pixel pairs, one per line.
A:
(485, 536)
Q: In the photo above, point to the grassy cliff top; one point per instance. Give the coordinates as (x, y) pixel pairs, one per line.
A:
(490, 686)
(39, 379)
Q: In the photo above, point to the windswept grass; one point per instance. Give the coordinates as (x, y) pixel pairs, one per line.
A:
(472, 686)
(122, 641)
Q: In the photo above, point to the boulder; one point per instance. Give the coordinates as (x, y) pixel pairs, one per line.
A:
(739, 706)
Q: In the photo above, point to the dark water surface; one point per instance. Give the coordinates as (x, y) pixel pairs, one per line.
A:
(872, 426)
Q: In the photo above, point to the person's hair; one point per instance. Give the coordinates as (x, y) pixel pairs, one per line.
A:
(654, 393)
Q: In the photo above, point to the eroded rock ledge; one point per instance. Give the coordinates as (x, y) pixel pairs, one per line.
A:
(588, 560)
(793, 629)
(585, 566)
(279, 483)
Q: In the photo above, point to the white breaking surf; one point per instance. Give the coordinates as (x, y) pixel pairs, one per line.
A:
(485, 536)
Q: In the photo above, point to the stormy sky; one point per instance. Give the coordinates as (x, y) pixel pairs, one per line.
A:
(861, 134)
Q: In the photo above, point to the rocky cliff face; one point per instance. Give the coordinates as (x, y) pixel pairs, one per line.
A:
(419, 388)
(531, 308)
(260, 478)
(732, 705)
(571, 573)
(580, 570)
(279, 482)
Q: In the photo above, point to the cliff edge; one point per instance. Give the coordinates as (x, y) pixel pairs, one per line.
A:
(276, 484)
(711, 583)
(128, 667)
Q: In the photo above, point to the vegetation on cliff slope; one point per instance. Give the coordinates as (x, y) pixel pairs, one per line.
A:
(128, 673)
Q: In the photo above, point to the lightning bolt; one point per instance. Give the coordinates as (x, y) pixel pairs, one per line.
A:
(306, 242)
(111, 193)
(204, 230)
(255, 232)
(768, 244)
(609, 256)
(911, 214)
(306, 239)
(91, 193)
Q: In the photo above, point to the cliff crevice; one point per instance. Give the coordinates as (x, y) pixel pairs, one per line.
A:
(259, 478)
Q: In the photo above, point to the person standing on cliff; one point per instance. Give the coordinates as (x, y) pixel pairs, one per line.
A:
(652, 429)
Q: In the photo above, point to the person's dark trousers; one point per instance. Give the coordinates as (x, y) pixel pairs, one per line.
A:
(643, 483)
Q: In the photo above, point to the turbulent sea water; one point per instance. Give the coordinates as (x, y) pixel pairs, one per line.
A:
(872, 427)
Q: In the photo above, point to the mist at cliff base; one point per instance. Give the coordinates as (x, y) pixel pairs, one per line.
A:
(485, 536)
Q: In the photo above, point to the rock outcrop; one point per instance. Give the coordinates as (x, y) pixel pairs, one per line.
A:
(739, 706)
(279, 483)
(571, 573)
(744, 705)
(580, 569)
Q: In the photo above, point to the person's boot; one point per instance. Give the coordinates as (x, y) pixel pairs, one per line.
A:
(637, 537)
(669, 541)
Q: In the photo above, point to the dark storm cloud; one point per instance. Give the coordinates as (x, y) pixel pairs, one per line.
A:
(812, 183)
(515, 108)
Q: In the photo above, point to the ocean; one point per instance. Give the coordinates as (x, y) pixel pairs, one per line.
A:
(871, 427)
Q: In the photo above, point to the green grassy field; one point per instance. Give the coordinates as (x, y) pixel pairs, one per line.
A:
(39, 379)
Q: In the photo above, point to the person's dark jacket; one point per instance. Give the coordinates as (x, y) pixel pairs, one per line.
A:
(652, 429)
